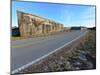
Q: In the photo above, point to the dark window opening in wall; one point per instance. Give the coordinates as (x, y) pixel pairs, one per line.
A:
(32, 20)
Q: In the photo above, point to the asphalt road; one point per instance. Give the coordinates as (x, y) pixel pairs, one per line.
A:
(29, 50)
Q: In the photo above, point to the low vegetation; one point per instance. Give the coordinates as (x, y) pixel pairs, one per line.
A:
(81, 55)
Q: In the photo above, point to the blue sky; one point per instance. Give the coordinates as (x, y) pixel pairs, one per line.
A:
(69, 15)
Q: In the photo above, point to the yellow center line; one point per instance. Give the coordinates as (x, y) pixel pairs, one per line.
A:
(27, 44)
(21, 45)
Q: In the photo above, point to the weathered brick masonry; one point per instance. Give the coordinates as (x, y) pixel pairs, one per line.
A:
(30, 25)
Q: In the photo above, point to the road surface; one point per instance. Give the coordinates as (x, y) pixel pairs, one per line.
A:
(28, 51)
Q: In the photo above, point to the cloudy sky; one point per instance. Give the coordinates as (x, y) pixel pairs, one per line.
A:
(67, 14)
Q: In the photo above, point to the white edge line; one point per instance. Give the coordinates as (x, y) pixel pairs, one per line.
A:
(29, 64)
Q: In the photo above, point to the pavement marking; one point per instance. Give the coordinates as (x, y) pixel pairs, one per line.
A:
(21, 45)
(27, 44)
(31, 63)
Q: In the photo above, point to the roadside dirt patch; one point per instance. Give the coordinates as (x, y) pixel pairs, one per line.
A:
(79, 55)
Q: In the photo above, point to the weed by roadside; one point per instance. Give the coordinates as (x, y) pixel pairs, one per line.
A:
(80, 57)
